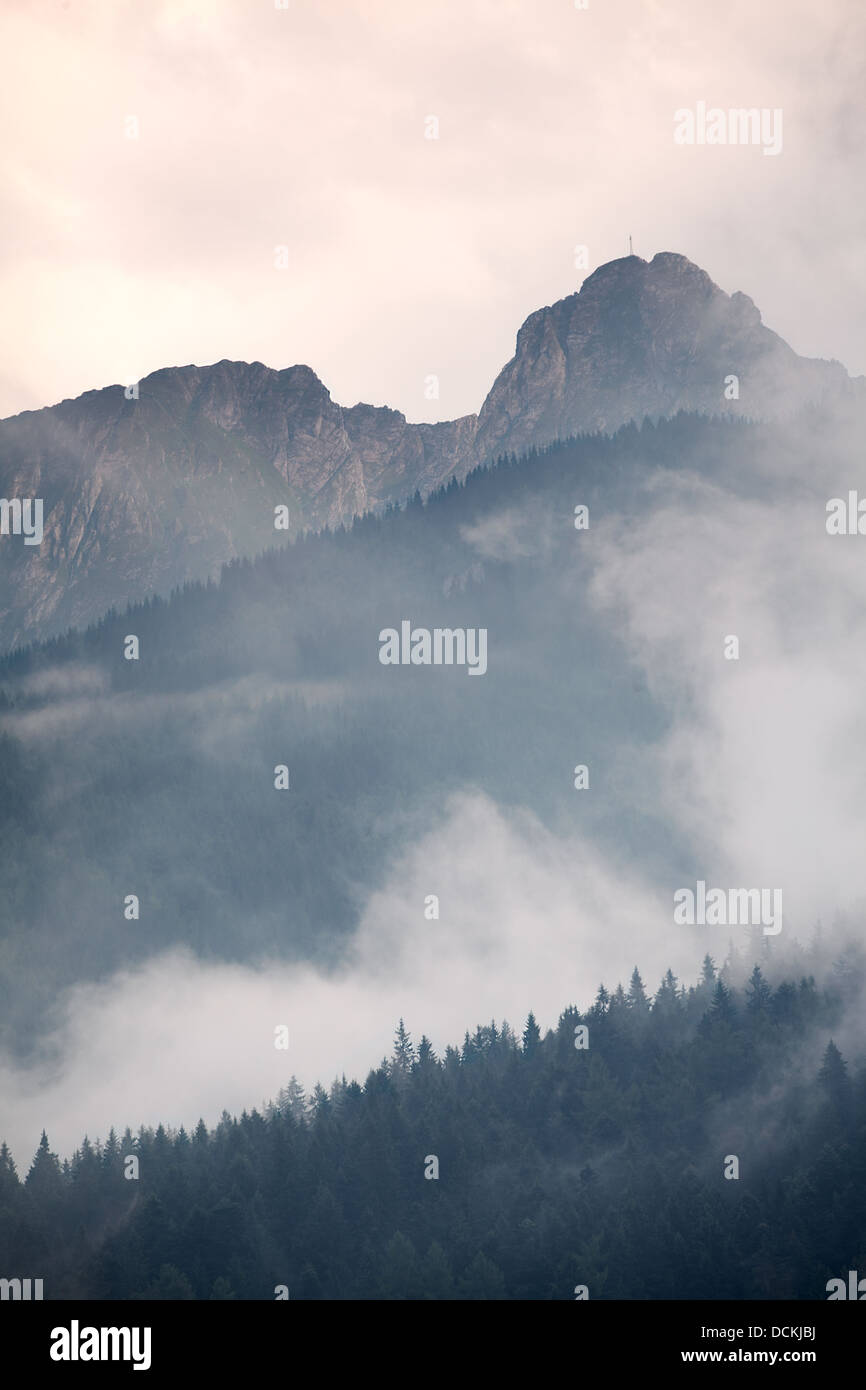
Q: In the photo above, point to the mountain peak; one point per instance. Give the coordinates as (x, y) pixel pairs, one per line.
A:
(645, 338)
(144, 493)
(670, 268)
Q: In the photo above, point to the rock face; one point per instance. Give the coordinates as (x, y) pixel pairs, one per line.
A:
(143, 495)
(646, 339)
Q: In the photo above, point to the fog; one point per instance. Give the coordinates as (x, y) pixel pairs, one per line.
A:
(761, 771)
(527, 921)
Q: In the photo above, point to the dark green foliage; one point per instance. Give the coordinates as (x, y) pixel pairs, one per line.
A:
(531, 1035)
(557, 1167)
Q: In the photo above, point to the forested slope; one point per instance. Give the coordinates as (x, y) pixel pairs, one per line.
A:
(559, 1165)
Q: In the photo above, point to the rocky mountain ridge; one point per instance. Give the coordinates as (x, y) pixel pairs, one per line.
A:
(141, 495)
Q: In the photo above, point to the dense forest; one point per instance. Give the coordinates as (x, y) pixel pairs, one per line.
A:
(598, 1156)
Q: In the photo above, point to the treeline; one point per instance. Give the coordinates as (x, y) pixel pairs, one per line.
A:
(420, 538)
(513, 1167)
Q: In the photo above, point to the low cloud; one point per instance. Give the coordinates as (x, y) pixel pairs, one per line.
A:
(513, 533)
(528, 920)
(763, 762)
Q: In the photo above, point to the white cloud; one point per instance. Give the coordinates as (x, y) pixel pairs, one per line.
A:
(528, 921)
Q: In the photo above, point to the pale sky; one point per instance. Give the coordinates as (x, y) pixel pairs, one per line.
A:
(407, 257)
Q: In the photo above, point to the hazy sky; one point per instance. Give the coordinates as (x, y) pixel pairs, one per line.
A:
(304, 127)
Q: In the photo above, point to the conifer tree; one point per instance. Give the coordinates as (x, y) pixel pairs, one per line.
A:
(9, 1181)
(531, 1034)
(404, 1052)
(758, 992)
(602, 1000)
(636, 999)
(721, 1004)
(44, 1180)
(833, 1075)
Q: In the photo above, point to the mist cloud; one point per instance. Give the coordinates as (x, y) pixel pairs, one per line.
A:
(528, 920)
(764, 761)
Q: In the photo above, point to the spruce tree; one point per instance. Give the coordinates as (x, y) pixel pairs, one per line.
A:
(9, 1181)
(404, 1052)
(531, 1034)
(833, 1075)
(44, 1180)
(758, 992)
(636, 998)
